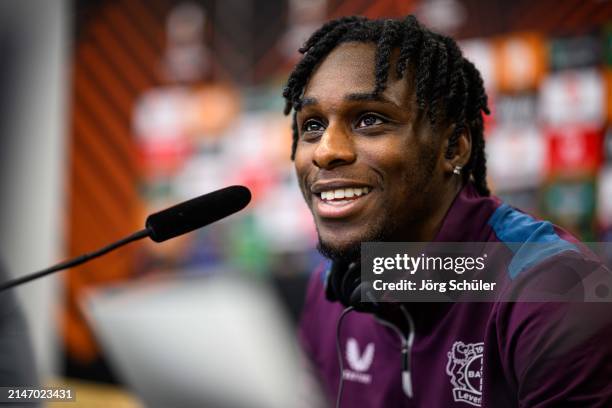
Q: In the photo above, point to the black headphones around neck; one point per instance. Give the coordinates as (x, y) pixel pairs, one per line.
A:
(344, 285)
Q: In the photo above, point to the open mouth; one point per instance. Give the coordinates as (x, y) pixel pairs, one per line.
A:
(340, 202)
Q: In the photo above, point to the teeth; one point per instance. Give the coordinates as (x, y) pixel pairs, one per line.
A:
(344, 193)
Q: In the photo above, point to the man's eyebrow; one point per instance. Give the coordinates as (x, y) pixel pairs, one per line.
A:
(360, 96)
(306, 101)
(370, 96)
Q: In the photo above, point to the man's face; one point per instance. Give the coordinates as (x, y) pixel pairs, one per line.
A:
(369, 168)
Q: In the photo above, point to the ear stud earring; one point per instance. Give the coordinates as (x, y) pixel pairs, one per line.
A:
(457, 170)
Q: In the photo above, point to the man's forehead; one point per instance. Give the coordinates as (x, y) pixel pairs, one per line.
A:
(349, 71)
(347, 65)
(357, 56)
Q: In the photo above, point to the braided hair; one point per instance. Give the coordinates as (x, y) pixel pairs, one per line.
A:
(448, 87)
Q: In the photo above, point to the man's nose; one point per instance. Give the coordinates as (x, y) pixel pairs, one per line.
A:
(336, 148)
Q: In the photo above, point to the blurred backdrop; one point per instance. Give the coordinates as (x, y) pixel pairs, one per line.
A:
(112, 109)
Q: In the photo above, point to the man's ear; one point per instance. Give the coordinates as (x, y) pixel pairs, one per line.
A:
(458, 149)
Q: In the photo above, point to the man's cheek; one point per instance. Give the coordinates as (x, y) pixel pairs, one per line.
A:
(309, 198)
(306, 195)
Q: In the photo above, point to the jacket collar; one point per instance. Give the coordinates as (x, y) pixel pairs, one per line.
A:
(467, 218)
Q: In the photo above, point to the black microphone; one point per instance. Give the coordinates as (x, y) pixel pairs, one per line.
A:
(196, 213)
(169, 223)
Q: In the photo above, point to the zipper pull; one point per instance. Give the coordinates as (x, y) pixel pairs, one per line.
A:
(406, 378)
(407, 383)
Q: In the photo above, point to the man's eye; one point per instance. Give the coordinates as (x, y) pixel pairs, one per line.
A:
(312, 126)
(369, 120)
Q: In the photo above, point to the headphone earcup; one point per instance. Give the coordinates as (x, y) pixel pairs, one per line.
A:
(341, 281)
(350, 281)
(369, 306)
(333, 282)
(344, 285)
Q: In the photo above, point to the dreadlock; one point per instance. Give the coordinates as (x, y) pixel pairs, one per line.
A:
(448, 87)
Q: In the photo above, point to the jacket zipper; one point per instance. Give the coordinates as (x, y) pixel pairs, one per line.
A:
(407, 341)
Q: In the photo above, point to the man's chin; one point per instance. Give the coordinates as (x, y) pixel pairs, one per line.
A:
(347, 247)
(340, 253)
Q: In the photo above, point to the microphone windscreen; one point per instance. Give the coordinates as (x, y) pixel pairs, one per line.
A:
(197, 212)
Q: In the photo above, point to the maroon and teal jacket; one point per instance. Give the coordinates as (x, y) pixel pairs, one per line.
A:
(470, 354)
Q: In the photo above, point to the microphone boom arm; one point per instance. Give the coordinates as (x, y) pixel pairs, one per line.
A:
(75, 261)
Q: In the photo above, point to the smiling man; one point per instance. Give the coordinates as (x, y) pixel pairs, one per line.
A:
(388, 146)
(369, 163)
